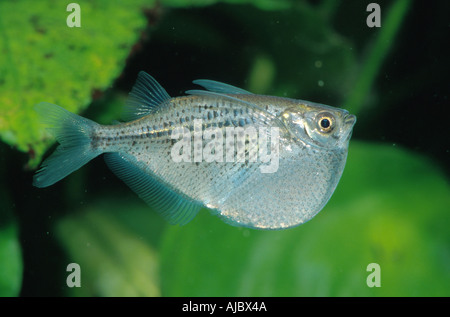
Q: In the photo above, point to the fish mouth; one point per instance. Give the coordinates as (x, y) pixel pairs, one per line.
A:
(350, 120)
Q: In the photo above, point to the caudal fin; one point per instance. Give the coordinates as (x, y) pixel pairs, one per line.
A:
(74, 135)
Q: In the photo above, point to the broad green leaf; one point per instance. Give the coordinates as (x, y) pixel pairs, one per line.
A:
(114, 261)
(390, 208)
(42, 59)
(11, 266)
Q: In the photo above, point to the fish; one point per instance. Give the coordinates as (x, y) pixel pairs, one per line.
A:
(256, 161)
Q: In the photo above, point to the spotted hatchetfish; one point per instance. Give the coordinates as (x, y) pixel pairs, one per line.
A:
(256, 161)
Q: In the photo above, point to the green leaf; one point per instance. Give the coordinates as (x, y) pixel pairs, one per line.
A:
(45, 60)
(11, 264)
(390, 208)
(10, 261)
(114, 261)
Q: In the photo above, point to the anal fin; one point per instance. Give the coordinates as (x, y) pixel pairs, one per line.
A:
(172, 206)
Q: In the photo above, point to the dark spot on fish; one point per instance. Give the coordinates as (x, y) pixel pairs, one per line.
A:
(134, 143)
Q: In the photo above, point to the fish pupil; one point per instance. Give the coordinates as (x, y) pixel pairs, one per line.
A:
(325, 123)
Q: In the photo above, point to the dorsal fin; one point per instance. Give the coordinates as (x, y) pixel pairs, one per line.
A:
(219, 87)
(145, 97)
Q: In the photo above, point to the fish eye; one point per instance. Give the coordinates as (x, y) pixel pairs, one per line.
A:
(326, 122)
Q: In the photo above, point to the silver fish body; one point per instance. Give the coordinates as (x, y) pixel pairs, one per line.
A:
(308, 153)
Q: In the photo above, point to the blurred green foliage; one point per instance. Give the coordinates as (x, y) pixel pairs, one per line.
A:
(44, 59)
(390, 208)
(113, 260)
(11, 267)
(11, 260)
